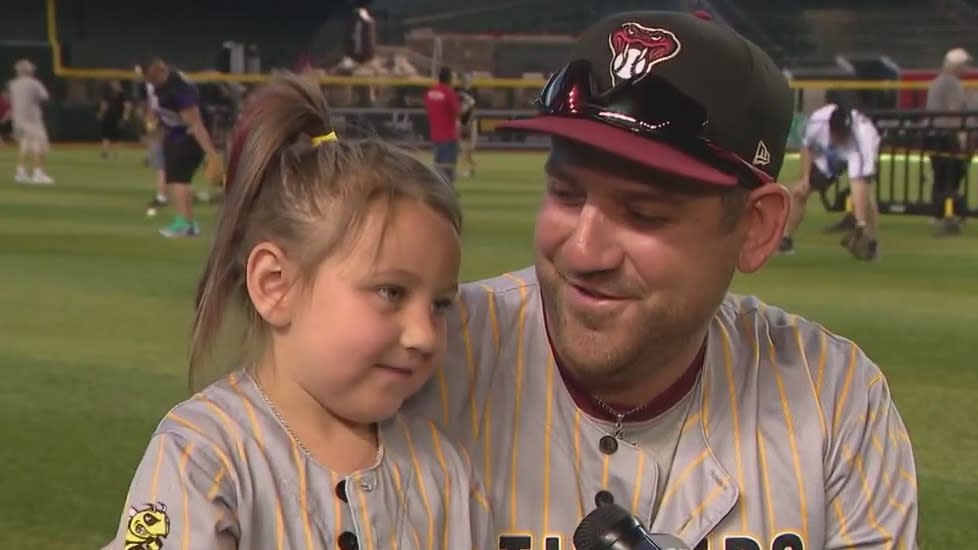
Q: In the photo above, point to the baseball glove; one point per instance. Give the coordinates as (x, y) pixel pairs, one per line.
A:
(858, 244)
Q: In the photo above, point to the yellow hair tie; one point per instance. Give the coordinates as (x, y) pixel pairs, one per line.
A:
(319, 140)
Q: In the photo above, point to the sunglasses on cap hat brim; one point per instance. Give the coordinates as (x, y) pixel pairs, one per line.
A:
(645, 120)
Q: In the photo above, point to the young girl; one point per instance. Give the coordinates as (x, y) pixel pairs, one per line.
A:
(343, 258)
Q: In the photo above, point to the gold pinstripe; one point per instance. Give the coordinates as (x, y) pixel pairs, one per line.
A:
(480, 497)
(681, 478)
(878, 446)
(840, 517)
(577, 459)
(401, 496)
(768, 503)
(857, 463)
(792, 440)
(249, 410)
(734, 413)
(446, 491)
(518, 397)
(716, 492)
(547, 437)
(605, 467)
(639, 471)
(300, 466)
(486, 413)
(822, 355)
(419, 475)
(493, 318)
(216, 485)
(155, 483)
(185, 543)
(442, 393)
(230, 427)
(367, 530)
(850, 372)
(793, 322)
(334, 480)
(463, 314)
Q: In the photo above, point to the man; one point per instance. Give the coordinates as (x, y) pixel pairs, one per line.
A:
(443, 107)
(839, 140)
(114, 109)
(951, 156)
(186, 142)
(468, 133)
(27, 95)
(619, 369)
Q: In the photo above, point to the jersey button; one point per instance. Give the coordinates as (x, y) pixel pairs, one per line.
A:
(347, 541)
(608, 445)
(603, 497)
(341, 490)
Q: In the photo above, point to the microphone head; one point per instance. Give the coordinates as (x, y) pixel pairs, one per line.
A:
(591, 531)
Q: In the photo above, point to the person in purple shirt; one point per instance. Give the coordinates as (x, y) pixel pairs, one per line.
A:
(186, 142)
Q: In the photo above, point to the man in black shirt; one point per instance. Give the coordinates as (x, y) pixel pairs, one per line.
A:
(114, 109)
(186, 142)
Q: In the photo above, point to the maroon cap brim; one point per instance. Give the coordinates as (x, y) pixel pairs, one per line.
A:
(625, 144)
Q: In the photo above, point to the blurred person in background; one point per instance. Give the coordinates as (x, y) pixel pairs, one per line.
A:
(950, 154)
(27, 95)
(114, 109)
(186, 143)
(467, 124)
(839, 141)
(153, 140)
(443, 108)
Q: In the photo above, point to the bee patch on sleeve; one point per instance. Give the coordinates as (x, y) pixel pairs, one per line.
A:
(148, 527)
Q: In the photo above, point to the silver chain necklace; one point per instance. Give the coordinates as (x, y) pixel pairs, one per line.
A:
(271, 407)
(619, 416)
(278, 416)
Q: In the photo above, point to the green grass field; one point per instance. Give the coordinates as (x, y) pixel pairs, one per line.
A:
(95, 312)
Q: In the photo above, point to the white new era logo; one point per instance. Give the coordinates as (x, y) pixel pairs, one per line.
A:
(762, 157)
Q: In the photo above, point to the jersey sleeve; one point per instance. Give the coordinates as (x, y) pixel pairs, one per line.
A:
(872, 484)
(179, 496)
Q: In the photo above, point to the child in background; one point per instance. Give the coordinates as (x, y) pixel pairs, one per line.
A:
(343, 258)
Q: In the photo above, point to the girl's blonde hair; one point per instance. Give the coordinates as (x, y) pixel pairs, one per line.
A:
(292, 182)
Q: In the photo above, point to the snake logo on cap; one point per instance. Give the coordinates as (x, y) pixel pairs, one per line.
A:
(635, 49)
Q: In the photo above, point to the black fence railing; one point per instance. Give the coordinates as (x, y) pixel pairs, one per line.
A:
(924, 165)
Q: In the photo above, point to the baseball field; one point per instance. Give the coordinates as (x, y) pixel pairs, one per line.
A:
(96, 308)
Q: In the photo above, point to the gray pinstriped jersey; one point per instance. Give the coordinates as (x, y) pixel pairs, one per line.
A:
(222, 472)
(791, 439)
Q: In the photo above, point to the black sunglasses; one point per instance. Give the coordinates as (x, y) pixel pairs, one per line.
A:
(651, 107)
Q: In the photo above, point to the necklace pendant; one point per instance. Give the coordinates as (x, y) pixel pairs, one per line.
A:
(619, 426)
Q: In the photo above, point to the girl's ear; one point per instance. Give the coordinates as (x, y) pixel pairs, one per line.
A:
(269, 276)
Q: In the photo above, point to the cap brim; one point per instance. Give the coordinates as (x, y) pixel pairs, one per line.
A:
(625, 144)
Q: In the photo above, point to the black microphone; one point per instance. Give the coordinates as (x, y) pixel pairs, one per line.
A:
(611, 527)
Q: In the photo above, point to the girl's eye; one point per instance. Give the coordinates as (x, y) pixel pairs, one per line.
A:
(392, 294)
(442, 306)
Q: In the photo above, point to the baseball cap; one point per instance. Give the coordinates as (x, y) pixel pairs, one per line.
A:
(714, 96)
(840, 121)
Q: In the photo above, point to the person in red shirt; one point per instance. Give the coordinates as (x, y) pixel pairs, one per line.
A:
(443, 108)
(6, 126)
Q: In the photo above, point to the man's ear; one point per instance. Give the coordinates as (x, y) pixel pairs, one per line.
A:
(270, 277)
(764, 221)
